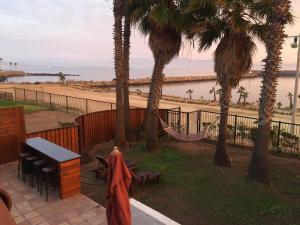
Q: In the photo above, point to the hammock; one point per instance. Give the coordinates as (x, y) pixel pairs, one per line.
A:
(187, 137)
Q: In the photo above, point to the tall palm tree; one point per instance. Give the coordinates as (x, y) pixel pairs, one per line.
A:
(213, 91)
(230, 27)
(120, 136)
(16, 66)
(126, 53)
(1, 60)
(158, 19)
(276, 19)
(290, 97)
(240, 91)
(10, 65)
(190, 92)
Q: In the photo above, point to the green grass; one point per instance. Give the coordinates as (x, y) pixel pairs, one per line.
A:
(193, 191)
(28, 108)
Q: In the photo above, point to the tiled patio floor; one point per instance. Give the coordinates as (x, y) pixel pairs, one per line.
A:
(29, 208)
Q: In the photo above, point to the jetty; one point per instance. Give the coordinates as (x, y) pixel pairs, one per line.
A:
(167, 80)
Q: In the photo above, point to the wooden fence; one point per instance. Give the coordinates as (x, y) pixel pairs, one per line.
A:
(99, 127)
(67, 137)
(12, 133)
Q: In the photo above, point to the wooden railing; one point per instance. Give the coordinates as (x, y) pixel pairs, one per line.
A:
(67, 137)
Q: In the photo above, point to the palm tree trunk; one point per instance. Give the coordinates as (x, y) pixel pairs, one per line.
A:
(221, 157)
(259, 169)
(120, 136)
(126, 53)
(153, 106)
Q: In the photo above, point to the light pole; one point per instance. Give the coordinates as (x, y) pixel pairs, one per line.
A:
(296, 44)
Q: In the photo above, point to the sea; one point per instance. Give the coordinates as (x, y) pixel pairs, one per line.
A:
(140, 70)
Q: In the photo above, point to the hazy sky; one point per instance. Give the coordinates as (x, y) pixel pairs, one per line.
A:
(80, 32)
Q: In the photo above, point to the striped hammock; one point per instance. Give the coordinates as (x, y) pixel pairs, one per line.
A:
(187, 137)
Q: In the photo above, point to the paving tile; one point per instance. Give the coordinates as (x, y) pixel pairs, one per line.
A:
(29, 208)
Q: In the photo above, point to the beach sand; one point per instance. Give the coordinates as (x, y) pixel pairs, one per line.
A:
(136, 100)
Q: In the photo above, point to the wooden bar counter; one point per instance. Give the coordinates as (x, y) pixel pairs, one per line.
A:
(66, 162)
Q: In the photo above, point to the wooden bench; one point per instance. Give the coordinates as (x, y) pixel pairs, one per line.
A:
(145, 177)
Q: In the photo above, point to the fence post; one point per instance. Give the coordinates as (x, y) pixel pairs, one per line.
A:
(179, 119)
(86, 106)
(50, 101)
(67, 104)
(187, 122)
(15, 92)
(36, 97)
(200, 120)
(235, 129)
(278, 136)
(24, 96)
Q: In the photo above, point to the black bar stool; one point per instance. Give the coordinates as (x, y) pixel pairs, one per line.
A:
(22, 156)
(37, 171)
(48, 174)
(28, 167)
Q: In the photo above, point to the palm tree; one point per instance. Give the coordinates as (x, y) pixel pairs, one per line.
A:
(120, 136)
(240, 91)
(1, 60)
(213, 91)
(277, 17)
(62, 77)
(230, 27)
(10, 65)
(16, 66)
(245, 96)
(190, 92)
(290, 97)
(279, 105)
(126, 53)
(159, 20)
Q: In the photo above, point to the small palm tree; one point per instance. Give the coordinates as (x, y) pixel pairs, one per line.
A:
(213, 91)
(10, 65)
(290, 97)
(161, 20)
(240, 91)
(62, 77)
(1, 60)
(279, 105)
(190, 92)
(245, 96)
(16, 66)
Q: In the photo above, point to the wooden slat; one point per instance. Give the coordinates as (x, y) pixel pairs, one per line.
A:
(66, 137)
(12, 133)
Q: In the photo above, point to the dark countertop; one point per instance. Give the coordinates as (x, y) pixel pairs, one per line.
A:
(51, 150)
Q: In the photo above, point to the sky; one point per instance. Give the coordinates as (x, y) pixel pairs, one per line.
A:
(79, 32)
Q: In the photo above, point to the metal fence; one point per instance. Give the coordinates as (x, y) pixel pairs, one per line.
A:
(64, 103)
(241, 129)
(6, 95)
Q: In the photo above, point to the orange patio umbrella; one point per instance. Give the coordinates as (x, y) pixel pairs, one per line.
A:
(118, 184)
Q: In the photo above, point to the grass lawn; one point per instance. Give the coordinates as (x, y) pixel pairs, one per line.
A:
(194, 192)
(29, 108)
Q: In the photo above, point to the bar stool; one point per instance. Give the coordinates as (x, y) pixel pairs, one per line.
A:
(22, 155)
(37, 171)
(28, 167)
(48, 174)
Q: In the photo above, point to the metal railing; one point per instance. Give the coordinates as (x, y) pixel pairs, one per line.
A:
(59, 102)
(241, 129)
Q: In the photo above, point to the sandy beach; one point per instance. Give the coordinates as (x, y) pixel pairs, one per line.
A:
(136, 100)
